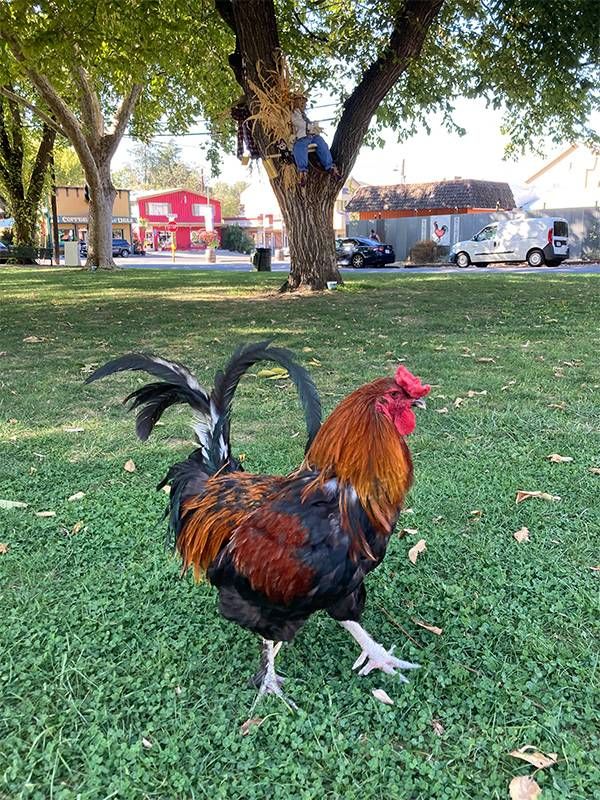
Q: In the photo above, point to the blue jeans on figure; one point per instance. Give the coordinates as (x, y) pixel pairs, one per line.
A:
(301, 152)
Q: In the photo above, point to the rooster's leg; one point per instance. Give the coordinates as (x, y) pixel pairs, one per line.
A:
(375, 655)
(266, 679)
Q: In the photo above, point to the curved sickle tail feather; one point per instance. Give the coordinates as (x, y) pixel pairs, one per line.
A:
(177, 385)
(226, 382)
(212, 411)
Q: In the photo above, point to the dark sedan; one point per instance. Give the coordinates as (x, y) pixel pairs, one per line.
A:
(359, 251)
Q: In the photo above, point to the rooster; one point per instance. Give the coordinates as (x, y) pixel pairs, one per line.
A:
(279, 548)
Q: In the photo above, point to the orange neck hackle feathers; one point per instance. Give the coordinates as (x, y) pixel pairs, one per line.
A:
(360, 446)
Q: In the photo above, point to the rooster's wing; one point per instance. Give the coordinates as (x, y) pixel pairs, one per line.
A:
(288, 558)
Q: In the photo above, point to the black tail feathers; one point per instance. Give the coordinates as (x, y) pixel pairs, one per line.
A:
(213, 412)
(177, 385)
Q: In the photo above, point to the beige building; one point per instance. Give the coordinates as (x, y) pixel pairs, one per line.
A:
(570, 180)
(73, 214)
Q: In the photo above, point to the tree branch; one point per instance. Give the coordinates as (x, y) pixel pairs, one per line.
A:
(123, 116)
(38, 172)
(90, 107)
(46, 118)
(70, 124)
(406, 41)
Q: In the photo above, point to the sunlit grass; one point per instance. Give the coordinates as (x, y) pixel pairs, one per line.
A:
(102, 645)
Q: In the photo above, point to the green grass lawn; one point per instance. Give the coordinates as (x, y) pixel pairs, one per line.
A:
(102, 645)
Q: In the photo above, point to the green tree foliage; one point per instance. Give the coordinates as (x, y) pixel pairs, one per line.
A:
(229, 196)
(158, 165)
(235, 238)
(393, 63)
(67, 167)
(98, 68)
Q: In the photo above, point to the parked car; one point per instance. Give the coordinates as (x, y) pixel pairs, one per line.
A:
(4, 252)
(120, 247)
(537, 240)
(359, 251)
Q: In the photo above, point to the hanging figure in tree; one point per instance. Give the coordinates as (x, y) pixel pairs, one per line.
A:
(305, 134)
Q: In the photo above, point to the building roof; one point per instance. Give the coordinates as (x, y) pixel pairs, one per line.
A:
(458, 193)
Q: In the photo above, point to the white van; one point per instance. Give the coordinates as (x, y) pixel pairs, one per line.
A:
(537, 240)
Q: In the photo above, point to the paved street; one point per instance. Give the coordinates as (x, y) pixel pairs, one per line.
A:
(235, 263)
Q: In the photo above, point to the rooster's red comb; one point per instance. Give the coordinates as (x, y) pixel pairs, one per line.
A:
(410, 383)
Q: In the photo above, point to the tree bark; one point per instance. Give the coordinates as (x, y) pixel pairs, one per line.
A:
(102, 197)
(24, 197)
(308, 214)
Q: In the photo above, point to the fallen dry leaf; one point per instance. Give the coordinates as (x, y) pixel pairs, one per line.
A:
(438, 728)
(382, 696)
(253, 722)
(178, 690)
(34, 339)
(458, 402)
(314, 362)
(524, 788)
(77, 527)
(595, 470)
(407, 511)
(486, 360)
(507, 386)
(73, 430)
(76, 496)
(415, 551)
(532, 756)
(273, 373)
(595, 569)
(45, 513)
(129, 466)
(473, 393)
(430, 628)
(307, 349)
(521, 496)
(559, 406)
(556, 459)
(3, 548)
(476, 513)
(166, 489)
(12, 504)
(409, 531)
(146, 743)
(443, 410)
(521, 535)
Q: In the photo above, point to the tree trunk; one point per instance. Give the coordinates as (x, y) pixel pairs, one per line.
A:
(102, 197)
(308, 216)
(24, 216)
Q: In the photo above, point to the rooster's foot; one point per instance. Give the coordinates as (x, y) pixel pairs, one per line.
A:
(373, 655)
(377, 657)
(266, 680)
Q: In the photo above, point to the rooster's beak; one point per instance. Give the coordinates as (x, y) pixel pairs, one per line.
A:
(419, 403)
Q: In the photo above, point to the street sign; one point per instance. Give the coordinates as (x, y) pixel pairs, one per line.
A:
(172, 226)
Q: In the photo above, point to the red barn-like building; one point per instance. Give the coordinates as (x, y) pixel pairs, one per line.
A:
(158, 211)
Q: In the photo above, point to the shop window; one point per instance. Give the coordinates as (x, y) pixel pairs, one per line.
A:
(159, 209)
(198, 209)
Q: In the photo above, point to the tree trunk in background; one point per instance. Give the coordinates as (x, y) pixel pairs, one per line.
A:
(308, 217)
(102, 197)
(54, 214)
(24, 215)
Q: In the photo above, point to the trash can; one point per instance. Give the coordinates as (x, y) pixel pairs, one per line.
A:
(72, 254)
(262, 259)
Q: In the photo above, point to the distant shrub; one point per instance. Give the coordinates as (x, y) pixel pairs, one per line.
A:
(235, 238)
(427, 252)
